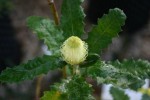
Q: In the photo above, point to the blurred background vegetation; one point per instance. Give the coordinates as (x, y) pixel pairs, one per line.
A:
(18, 44)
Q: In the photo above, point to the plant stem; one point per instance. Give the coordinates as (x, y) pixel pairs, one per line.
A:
(38, 87)
(64, 72)
(76, 69)
(54, 11)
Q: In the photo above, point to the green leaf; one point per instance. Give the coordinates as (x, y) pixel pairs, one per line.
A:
(47, 31)
(75, 88)
(90, 60)
(72, 18)
(118, 94)
(31, 69)
(108, 27)
(126, 74)
(140, 68)
(51, 95)
(78, 89)
(145, 97)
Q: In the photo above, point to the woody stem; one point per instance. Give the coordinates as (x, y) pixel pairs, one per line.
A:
(54, 11)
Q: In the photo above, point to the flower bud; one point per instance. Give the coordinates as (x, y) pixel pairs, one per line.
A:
(74, 50)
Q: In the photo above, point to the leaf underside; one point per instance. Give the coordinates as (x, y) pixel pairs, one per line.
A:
(47, 31)
(125, 74)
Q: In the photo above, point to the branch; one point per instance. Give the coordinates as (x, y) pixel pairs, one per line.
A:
(38, 87)
(54, 11)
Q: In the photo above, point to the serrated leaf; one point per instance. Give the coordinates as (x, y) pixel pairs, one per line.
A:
(126, 74)
(108, 27)
(118, 94)
(46, 30)
(140, 68)
(30, 70)
(75, 88)
(78, 89)
(51, 95)
(72, 18)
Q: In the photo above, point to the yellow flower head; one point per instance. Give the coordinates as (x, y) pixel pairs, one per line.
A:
(74, 50)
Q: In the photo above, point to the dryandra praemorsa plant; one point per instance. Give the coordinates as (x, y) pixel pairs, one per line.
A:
(78, 58)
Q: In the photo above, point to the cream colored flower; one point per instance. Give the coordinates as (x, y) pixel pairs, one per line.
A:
(74, 50)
